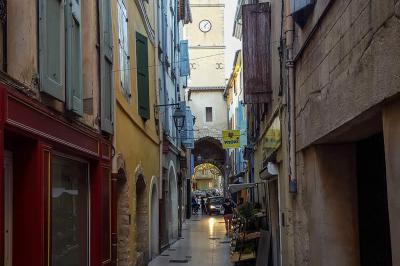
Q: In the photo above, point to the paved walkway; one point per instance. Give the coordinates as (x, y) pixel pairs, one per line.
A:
(203, 243)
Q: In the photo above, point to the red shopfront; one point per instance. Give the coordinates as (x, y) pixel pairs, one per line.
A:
(55, 187)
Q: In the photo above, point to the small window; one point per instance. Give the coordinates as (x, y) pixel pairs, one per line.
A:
(301, 10)
(209, 116)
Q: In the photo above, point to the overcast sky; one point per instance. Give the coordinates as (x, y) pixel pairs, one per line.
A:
(232, 44)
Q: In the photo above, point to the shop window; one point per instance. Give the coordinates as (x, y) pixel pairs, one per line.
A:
(69, 212)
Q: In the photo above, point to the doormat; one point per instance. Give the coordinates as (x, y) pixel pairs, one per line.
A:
(178, 261)
(164, 255)
(225, 242)
(214, 238)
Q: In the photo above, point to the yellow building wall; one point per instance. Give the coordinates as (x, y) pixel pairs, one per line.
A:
(137, 141)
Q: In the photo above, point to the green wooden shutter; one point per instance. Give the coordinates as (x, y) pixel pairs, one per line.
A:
(51, 47)
(142, 76)
(73, 57)
(106, 61)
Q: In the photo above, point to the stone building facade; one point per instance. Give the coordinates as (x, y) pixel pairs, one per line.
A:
(346, 104)
(335, 88)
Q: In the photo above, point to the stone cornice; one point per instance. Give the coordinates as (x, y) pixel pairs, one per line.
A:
(145, 18)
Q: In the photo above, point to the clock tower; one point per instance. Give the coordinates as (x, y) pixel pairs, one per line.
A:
(206, 44)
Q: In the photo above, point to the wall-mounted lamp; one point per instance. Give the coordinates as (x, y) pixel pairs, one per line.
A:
(179, 118)
(179, 115)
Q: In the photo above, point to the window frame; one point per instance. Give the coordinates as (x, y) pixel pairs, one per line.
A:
(123, 49)
(211, 114)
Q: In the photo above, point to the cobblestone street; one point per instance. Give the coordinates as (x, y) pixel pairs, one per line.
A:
(203, 243)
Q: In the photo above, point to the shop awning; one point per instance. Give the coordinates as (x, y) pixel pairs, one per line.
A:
(233, 188)
(268, 172)
(235, 179)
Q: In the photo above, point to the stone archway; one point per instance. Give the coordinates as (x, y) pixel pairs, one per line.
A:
(141, 219)
(209, 150)
(173, 204)
(154, 219)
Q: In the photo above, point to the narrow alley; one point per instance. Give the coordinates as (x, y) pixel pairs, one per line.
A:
(203, 242)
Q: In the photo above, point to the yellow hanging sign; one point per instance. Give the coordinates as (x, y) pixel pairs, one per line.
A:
(231, 139)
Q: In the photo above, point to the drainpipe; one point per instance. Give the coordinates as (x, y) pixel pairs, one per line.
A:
(291, 94)
(158, 97)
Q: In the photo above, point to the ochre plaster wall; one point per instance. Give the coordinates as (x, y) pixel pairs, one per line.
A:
(137, 143)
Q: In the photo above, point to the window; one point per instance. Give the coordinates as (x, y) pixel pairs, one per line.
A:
(60, 60)
(209, 115)
(301, 10)
(123, 49)
(69, 212)
(142, 62)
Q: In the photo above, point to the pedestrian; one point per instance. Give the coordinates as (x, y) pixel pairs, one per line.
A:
(228, 215)
(195, 206)
(203, 206)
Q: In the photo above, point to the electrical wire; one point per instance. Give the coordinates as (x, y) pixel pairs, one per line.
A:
(190, 59)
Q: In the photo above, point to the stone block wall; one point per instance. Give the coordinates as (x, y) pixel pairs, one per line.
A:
(124, 219)
(349, 65)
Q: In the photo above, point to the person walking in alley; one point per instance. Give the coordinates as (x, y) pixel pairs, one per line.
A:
(228, 215)
(203, 206)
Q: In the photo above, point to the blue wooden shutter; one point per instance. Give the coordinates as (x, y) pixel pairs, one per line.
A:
(51, 43)
(184, 58)
(106, 61)
(73, 57)
(187, 134)
(142, 76)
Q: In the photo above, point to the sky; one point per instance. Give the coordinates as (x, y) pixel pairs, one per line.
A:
(232, 44)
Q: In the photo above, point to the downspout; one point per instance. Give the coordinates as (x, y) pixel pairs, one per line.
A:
(160, 130)
(291, 95)
(114, 166)
(114, 199)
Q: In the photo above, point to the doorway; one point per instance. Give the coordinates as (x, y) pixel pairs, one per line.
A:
(274, 221)
(374, 230)
(154, 222)
(8, 202)
(142, 222)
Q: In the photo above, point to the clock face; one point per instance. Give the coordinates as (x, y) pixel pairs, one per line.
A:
(205, 25)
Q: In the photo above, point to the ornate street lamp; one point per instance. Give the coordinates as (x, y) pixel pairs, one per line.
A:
(179, 118)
